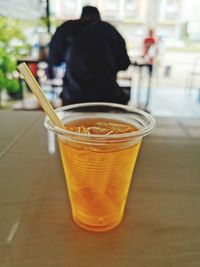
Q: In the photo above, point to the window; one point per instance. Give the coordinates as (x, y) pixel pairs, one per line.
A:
(171, 9)
(87, 2)
(130, 8)
(112, 9)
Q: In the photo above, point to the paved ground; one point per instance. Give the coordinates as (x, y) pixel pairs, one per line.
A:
(181, 64)
(171, 103)
(169, 95)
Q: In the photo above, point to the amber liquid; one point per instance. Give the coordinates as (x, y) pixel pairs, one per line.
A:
(98, 176)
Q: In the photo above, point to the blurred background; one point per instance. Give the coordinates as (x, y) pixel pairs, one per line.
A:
(26, 28)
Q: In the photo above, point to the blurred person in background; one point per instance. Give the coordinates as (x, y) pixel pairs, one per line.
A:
(150, 47)
(93, 52)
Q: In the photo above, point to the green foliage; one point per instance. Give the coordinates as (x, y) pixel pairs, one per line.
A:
(11, 41)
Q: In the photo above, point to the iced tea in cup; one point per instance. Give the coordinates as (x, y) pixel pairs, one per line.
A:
(99, 148)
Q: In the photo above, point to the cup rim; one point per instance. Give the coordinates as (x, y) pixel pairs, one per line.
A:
(140, 133)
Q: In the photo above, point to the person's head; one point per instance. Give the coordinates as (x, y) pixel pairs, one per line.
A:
(151, 32)
(90, 13)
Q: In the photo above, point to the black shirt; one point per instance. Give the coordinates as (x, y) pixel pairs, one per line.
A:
(94, 52)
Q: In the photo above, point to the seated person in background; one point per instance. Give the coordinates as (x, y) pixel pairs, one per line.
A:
(94, 52)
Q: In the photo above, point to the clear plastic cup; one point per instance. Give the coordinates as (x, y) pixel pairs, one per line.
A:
(99, 167)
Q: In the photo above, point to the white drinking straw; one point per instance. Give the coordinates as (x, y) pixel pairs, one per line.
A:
(37, 91)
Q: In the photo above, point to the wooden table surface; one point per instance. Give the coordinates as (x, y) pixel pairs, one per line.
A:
(161, 226)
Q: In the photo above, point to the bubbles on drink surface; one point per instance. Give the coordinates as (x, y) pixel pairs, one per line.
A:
(100, 126)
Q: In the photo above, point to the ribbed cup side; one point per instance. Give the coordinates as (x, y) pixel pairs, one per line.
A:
(98, 181)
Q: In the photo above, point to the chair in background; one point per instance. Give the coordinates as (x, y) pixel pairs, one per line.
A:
(195, 73)
(125, 80)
